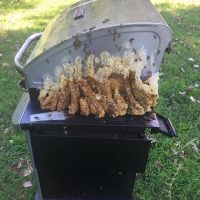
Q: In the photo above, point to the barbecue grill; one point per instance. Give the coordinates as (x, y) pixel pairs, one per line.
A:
(84, 157)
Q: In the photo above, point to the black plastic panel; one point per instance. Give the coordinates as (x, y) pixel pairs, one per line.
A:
(87, 167)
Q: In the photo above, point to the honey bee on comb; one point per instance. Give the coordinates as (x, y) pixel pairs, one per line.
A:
(115, 89)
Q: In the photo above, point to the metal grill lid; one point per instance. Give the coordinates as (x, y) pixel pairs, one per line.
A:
(97, 14)
(115, 26)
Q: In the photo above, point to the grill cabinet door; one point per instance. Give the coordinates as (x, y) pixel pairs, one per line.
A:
(87, 167)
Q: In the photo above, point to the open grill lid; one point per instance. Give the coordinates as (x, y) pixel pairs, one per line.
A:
(95, 26)
(97, 14)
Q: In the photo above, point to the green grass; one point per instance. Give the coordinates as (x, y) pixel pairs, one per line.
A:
(168, 176)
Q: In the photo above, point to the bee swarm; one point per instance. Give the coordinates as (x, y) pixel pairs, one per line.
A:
(115, 89)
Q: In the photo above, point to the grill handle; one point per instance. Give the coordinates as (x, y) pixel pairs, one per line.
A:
(23, 49)
(166, 126)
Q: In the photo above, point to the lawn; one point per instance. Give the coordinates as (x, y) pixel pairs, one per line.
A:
(173, 170)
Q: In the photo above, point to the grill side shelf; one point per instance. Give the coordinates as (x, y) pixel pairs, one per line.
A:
(19, 112)
(166, 126)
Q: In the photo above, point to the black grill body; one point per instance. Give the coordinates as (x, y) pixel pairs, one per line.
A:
(83, 158)
(87, 167)
(86, 158)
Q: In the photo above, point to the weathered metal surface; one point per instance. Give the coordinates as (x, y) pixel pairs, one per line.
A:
(106, 25)
(116, 12)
